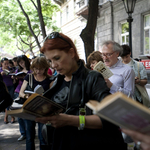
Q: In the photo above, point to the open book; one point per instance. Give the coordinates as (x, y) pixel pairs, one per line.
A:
(36, 106)
(18, 74)
(6, 71)
(103, 69)
(38, 89)
(122, 111)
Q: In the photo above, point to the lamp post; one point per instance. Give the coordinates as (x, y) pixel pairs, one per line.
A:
(129, 7)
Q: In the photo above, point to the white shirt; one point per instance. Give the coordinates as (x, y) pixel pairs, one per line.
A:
(123, 79)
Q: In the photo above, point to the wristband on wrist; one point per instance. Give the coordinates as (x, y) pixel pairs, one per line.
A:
(81, 122)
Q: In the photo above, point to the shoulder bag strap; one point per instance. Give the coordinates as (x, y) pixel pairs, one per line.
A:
(139, 70)
(30, 80)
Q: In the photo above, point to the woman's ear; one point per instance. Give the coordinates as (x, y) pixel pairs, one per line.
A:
(71, 52)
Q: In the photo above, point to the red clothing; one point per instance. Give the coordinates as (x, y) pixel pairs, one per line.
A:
(50, 72)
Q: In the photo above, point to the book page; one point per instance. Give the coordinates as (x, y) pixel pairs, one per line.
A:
(39, 89)
(103, 69)
(42, 106)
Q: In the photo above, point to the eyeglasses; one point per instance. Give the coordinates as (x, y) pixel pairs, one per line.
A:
(54, 35)
(107, 54)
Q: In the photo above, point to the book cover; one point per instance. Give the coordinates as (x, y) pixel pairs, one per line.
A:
(37, 106)
(122, 111)
(103, 69)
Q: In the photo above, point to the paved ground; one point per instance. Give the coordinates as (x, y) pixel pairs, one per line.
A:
(9, 133)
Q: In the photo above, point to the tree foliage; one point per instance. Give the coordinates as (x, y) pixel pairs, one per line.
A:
(24, 23)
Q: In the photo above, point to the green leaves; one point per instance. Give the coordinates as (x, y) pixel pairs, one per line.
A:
(14, 23)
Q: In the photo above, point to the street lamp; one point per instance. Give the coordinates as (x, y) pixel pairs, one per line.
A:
(129, 7)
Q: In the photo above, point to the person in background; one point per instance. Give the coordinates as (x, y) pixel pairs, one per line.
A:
(39, 69)
(11, 65)
(15, 62)
(126, 59)
(94, 58)
(123, 76)
(9, 84)
(24, 66)
(74, 86)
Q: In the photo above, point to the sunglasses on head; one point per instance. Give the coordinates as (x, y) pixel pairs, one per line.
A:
(54, 35)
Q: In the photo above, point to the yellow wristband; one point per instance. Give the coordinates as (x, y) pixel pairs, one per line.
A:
(81, 122)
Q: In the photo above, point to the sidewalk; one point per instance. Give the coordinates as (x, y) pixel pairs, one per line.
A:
(9, 133)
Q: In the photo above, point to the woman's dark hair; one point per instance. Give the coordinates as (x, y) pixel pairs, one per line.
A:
(59, 43)
(11, 62)
(126, 50)
(3, 59)
(24, 58)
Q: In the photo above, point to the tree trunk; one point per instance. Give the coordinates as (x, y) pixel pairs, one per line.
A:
(41, 18)
(88, 32)
(29, 24)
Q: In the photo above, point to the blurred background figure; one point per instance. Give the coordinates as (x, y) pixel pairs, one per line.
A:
(93, 59)
(24, 66)
(8, 82)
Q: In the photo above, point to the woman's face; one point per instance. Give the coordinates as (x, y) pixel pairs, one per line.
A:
(5, 64)
(39, 71)
(61, 61)
(22, 63)
(93, 63)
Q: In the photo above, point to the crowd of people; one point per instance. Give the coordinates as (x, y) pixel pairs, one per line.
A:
(72, 83)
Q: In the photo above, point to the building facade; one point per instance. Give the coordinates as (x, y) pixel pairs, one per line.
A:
(111, 24)
(70, 23)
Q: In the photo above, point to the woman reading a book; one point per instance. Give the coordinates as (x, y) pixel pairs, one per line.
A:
(75, 85)
(40, 76)
(24, 69)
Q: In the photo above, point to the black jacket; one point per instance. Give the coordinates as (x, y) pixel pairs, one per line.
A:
(85, 85)
(5, 98)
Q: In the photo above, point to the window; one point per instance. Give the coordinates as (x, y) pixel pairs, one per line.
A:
(125, 33)
(147, 34)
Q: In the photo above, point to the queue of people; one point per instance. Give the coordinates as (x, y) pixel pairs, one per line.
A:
(72, 87)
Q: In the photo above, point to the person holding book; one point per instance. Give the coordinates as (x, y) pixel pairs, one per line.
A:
(5, 70)
(75, 85)
(139, 70)
(24, 66)
(141, 140)
(123, 76)
(94, 58)
(40, 76)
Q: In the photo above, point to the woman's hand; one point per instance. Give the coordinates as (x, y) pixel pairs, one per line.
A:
(3, 73)
(57, 121)
(139, 137)
(60, 120)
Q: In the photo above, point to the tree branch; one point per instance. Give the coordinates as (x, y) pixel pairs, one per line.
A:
(34, 5)
(29, 24)
(41, 19)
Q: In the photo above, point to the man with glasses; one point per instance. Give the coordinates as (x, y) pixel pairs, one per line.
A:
(123, 76)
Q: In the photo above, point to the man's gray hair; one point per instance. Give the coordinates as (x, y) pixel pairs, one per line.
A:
(116, 46)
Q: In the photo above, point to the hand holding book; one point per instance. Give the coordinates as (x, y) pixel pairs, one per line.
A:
(103, 69)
